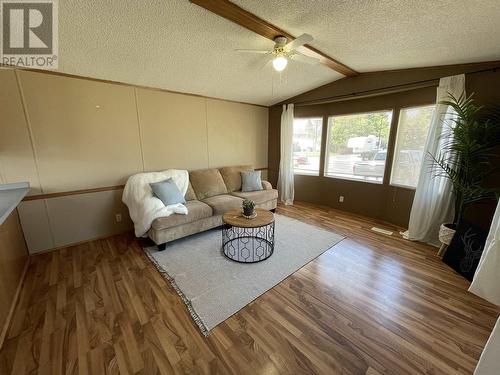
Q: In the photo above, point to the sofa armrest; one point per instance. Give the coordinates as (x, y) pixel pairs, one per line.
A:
(266, 185)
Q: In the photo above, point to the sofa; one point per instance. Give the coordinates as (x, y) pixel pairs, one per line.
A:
(211, 193)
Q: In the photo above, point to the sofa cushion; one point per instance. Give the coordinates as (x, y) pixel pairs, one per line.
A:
(207, 183)
(190, 194)
(260, 196)
(196, 210)
(232, 176)
(223, 203)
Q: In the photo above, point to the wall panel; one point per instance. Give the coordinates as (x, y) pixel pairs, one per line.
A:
(77, 218)
(173, 130)
(36, 227)
(85, 132)
(17, 162)
(237, 134)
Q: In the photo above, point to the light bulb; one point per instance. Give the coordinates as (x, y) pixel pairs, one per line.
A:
(280, 63)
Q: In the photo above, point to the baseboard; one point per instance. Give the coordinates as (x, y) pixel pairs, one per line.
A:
(13, 305)
(78, 243)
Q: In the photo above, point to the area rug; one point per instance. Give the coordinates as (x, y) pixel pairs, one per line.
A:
(214, 287)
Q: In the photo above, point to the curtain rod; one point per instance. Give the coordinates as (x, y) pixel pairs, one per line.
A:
(383, 91)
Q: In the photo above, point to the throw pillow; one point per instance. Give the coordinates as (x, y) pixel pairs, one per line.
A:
(251, 181)
(168, 192)
(207, 183)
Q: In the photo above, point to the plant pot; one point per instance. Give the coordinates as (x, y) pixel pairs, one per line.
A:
(248, 211)
(446, 233)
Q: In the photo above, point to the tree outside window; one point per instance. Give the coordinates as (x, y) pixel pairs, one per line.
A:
(357, 146)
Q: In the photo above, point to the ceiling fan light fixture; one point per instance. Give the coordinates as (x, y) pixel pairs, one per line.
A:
(280, 63)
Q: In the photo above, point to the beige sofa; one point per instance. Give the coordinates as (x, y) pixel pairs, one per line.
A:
(211, 193)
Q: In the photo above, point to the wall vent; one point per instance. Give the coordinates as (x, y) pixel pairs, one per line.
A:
(383, 231)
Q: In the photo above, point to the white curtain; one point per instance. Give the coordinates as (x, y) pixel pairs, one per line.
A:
(285, 179)
(486, 284)
(433, 202)
(489, 362)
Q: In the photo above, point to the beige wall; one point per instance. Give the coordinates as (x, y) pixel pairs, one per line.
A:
(173, 130)
(16, 154)
(85, 133)
(63, 134)
(236, 134)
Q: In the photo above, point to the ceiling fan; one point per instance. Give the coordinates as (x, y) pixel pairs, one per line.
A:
(283, 51)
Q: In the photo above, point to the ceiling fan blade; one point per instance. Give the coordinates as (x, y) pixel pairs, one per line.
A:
(305, 59)
(252, 51)
(265, 62)
(300, 41)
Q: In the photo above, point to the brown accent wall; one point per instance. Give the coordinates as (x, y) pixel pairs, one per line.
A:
(382, 201)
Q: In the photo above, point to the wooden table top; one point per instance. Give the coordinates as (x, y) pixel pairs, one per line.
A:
(236, 219)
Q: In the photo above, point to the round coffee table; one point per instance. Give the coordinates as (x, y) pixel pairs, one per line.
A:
(248, 240)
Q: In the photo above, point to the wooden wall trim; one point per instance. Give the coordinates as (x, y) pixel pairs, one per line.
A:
(467, 68)
(371, 93)
(86, 191)
(61, 74)
(73, 192)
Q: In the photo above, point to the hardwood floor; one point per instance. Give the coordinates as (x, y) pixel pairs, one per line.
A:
(373, 304)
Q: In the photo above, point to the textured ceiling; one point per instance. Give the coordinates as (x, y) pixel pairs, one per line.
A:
(369, 35)
(175, 45)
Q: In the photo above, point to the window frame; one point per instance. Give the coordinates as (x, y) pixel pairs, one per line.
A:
(318, 173)
(390, 183)
(325, 156)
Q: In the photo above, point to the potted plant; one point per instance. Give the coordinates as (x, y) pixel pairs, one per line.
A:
(248, 208)
(466, 157)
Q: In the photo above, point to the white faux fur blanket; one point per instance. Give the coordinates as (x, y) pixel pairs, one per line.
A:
(143, 206)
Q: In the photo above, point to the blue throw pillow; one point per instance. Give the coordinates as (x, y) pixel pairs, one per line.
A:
(250, 181)
(168, 192)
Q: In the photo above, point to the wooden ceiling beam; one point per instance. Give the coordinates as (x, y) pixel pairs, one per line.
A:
(250, 21)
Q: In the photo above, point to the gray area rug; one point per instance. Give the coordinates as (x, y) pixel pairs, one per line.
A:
(214, 287)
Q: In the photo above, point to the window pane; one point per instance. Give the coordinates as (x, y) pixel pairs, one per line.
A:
(408, 154)
(307, 145)
(357, 146)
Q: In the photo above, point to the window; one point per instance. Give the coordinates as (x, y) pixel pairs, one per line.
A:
(307, 145)
(413, 127)
(357, 146)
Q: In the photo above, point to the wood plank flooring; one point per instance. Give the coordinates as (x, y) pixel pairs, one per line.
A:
(373, 304)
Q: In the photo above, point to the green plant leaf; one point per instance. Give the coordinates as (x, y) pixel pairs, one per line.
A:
(468, 148)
